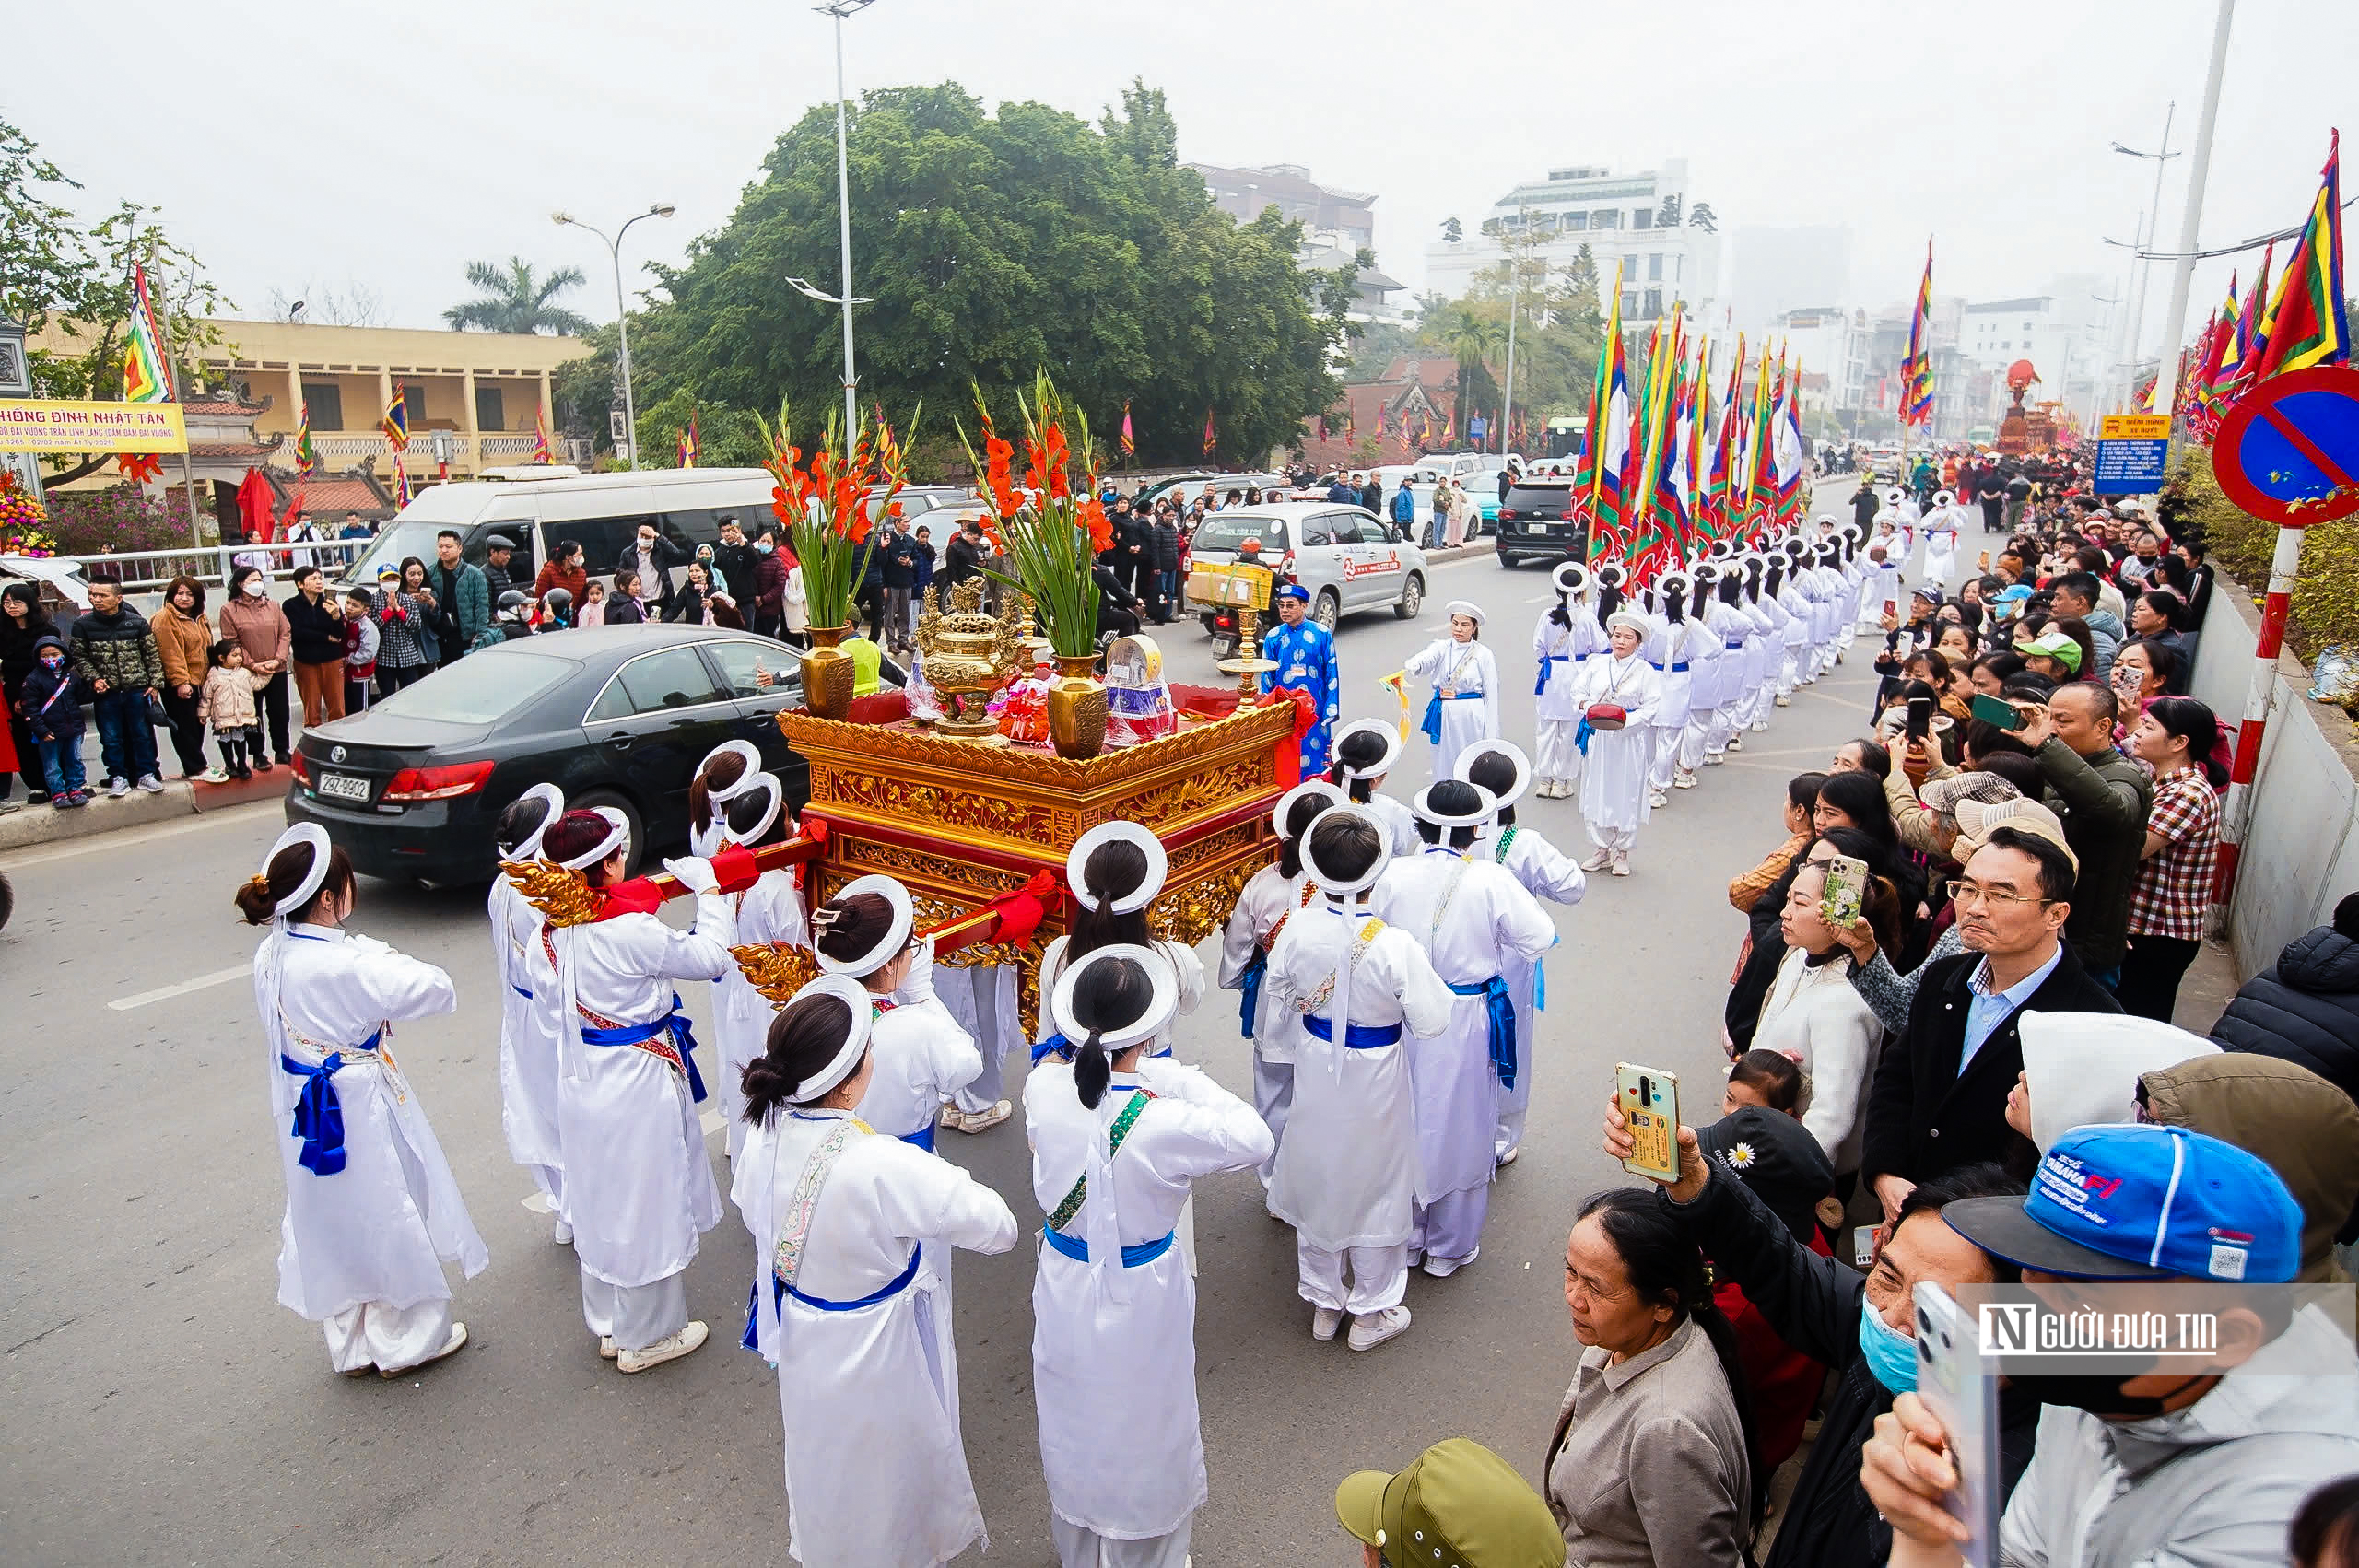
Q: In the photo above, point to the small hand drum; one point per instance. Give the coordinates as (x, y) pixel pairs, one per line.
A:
(1607, 716)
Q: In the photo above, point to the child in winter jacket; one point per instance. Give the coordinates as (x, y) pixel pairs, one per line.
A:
(228, 704)
(360, 650)
(51, 704)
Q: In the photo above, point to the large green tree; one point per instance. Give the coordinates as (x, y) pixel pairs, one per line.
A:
(993, 245)
(517, 299)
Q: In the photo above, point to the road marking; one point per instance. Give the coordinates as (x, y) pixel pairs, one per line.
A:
(713, 1122)
(165, 993)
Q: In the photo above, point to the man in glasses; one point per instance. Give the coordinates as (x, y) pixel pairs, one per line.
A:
(1939, 1096)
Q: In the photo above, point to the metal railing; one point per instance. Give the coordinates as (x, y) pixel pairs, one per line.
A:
(148, 571)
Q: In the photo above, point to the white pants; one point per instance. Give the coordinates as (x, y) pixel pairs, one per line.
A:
(1272, 1098)
(386, 1337)
(1622, 838)
(1078, 1548)
(1559, 758)
(1693, 740)
(634, 1317)
(1449, 1229)
(1723, 725)
(1379, 1276)
(1665, 758)
(984, 1091)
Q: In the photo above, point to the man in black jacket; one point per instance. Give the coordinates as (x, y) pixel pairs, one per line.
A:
(1820, 1307)
(1939, 1096)
(734, 557)
(963, 556)
(1165, 551)
(2305, 1008)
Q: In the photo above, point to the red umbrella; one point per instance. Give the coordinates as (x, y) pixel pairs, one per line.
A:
(257, 506)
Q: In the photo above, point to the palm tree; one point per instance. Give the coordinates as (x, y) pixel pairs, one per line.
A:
(514, 300)
(1470, 339)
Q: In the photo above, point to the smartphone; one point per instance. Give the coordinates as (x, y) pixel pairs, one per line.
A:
(1847, 891)
(1649, 1101)
(1996, 712)
(1964, 1397)
(1891, 607)
(1920, 718)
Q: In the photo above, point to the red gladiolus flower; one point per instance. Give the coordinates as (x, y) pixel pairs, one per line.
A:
(1093, 518)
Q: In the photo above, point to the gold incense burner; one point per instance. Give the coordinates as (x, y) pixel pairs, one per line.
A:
(968, 655)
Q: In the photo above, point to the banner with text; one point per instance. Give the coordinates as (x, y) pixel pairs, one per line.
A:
(40, 424)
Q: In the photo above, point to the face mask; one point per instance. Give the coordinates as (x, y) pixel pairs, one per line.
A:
(2099, 1394)
(646, 544)
(765, 546)
(52, 661)
(1891, 1354)
(254, 587)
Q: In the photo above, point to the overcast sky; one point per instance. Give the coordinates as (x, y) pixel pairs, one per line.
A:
(357, 145)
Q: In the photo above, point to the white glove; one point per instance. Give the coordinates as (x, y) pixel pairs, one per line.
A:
(917, 986)
(694, 873)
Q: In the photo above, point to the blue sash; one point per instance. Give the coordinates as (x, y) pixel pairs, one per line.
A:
(1059, 1043)
(319, 1114)
(922, 1137)
(520, 991)
(780, 1290)
(1541, 685)
(1581, 732)
(1432, 726)
(675, 1024)
(1357, 1037)
(1678, 668)
(1249, 989)
(1145, 1252)
(1502, 1006)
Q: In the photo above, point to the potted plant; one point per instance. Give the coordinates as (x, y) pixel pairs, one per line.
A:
(1050, 529)
(830, 522)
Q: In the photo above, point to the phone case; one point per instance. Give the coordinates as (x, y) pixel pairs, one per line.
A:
(1964, 1397)
(1846, 890)
(1654, 1128)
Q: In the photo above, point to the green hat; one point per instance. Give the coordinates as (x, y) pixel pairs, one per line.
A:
(2059, 646)
(1457, 1505)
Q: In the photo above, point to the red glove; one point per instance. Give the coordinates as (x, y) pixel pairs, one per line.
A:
(737, 869)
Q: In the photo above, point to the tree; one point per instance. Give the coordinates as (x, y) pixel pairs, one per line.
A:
(1668, 216)
(726, 437)
(995, 245)
(515, 301)
(358, 305)
(1700, 216)
(1452, 231)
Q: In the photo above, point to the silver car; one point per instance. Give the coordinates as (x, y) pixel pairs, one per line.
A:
(1346, 557)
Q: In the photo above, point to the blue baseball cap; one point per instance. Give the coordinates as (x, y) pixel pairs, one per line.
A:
(2016, 594)
(1295, 591)
(2132, 1201)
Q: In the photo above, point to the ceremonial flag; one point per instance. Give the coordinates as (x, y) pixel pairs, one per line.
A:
(395, 424)
(2241, 353)
(1653, 517)
(1791, 450)
(146, 377)
(1351, 430)
(1605, 445)
(1129, 443)
(401, 482)
(540, 440)
(1749, 513)
(1323, 427)
(1916, 368)
(689, 444)
(2306, 323)
(1726, 445)
(1449, 425)
(307, 456)
(1210, 440)
(2202, 410)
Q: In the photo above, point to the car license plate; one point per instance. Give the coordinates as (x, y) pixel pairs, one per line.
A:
(343, 787)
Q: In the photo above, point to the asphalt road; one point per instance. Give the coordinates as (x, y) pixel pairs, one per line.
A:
(162, 1406)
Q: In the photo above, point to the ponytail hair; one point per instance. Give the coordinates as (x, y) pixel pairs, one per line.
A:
(1361, 748)
(1666, 1270)
(1494, 771)
(1114, 871)
(719, 773)
(257, 897)
(524, 815)
(1299, 817)
(803, 1038)
(1112, 994)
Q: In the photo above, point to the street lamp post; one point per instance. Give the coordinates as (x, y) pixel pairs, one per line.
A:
(2161, 160)
(622, 316)
(839, 9)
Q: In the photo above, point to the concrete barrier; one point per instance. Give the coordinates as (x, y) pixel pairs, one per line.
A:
(2300, 857)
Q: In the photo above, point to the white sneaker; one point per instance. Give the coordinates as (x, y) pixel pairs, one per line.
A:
(563, 1235)
(213, 776)
(1442, 1268)
(1657, 798)
(1715, 759)
(150, 783)
(1371, 1329)
(458, 1338)
(606, 1347)
(1683, 780)
(1784, 701)
(686, 1342)
(1736, 742)
(1760, 726)
(1598, 862)
(984, 1120)
(1504, 1158)
(1621, 862)
(117, 788)
(1324, 1322)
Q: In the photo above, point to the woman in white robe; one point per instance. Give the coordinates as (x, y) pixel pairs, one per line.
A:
(1464, 705)
(767, 914)
(639, 1191)
(866, 933)
(1119, 1139)
(1544, 871)
(372, 1212)
(1348, 1172)
(527, 1005)
(1364, 752)
(1941, 532)
(1614, 784)
(1567, 634)
(1762, 643)
(1473, 919)
(1669, 631)
(1272, 896)
(842, 1218)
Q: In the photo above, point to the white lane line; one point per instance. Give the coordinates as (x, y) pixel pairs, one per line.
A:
(539, 1203)
(165, 993)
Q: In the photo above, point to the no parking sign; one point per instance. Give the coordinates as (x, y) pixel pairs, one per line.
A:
(2288, 453)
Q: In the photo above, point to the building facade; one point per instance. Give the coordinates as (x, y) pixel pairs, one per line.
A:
(1646, 222)
(1337, 225)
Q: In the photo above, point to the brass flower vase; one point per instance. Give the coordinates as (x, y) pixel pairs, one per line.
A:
(1077, 707)
(828, 675)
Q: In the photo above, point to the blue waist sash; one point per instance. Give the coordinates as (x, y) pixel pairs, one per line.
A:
(1249, 1006)
(1357, 1037)
(1137, 1257)
(1541, 685)
(318, 1113)
(520, 991)
(1055, 1043)
(674, 1023)
(922, 1137)
(1501, 1007)
(1678, 668)
(1733, 647)
(780, 1290)
(1432, 726)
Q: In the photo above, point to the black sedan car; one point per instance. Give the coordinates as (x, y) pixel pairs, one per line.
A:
(614, 716)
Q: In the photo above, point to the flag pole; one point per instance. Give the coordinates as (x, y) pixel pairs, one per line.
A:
(164, 351)
(2190, 223)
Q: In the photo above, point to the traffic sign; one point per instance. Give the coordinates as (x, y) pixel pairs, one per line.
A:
(2288, 453)
(2133, 454)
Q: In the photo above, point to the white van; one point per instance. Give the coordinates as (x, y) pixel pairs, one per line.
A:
(600, 512)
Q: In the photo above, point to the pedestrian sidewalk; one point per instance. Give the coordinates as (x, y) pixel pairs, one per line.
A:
(46, 825)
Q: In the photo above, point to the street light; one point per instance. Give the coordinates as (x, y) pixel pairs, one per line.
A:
(839, 9)
(2161, 161)
(622, 316)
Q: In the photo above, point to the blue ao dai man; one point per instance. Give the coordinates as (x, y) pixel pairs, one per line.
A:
(1304, 653)
(1464, 704)
(1118, 1139)
(372, 1210)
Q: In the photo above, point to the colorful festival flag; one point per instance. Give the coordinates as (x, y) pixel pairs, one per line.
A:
(689, 444)
(2241, 354)
(2307, 323)
(395, 424)
(540, 440)
(146, 377)
(1130, 443)
(401, 481)
(1210, 440)
(307, 456)
(1605, 445)
(1916, 368)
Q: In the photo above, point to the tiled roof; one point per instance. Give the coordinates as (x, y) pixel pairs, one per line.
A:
(227, 452)
(220, 408)
(1366, 400)
(333, 495)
